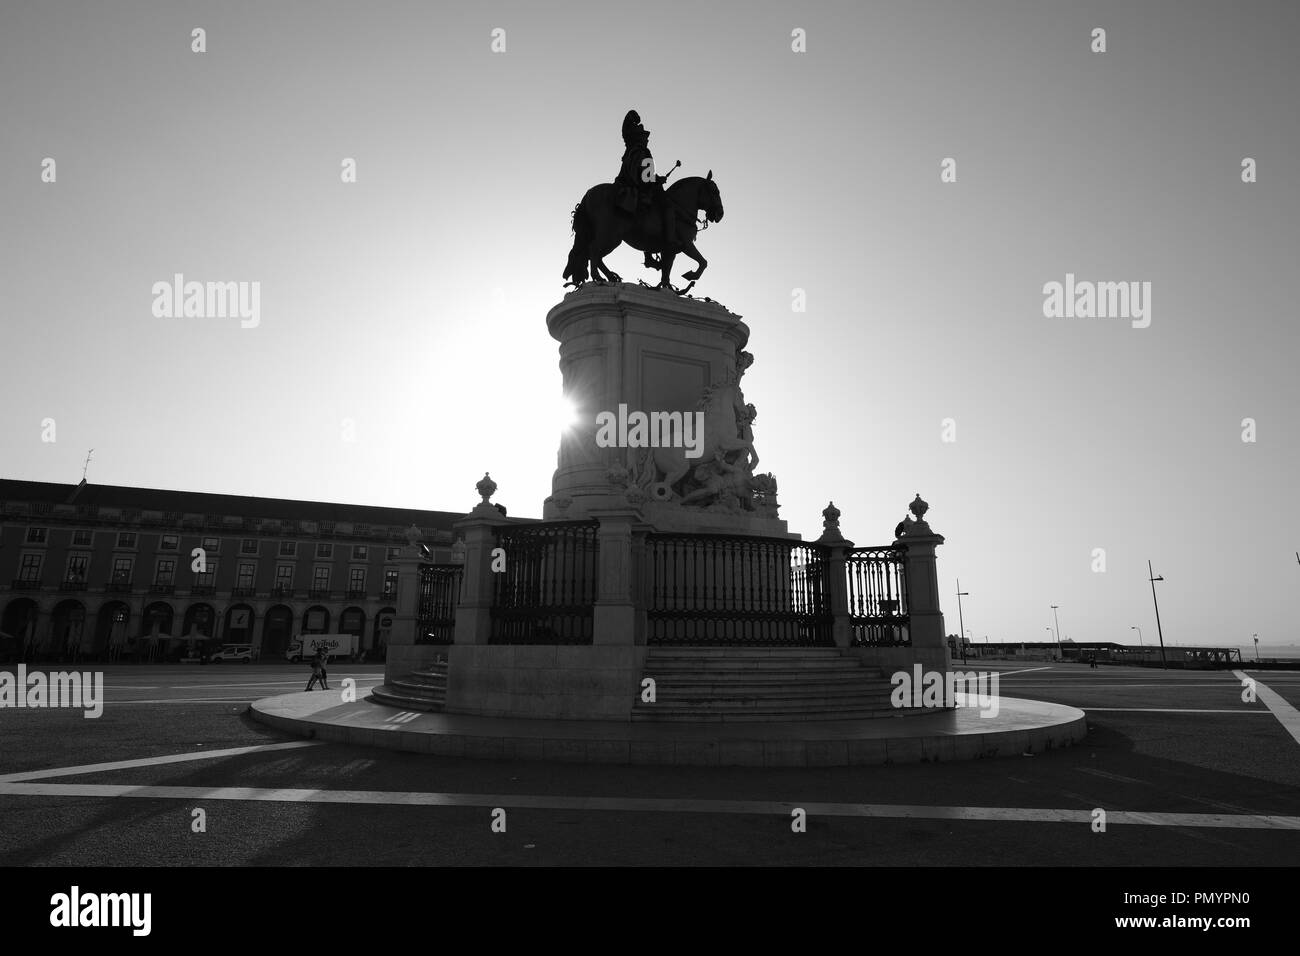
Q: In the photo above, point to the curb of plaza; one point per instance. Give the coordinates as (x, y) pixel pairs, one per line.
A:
(1020, 727)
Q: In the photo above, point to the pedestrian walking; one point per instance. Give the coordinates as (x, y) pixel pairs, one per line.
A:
(317, 671)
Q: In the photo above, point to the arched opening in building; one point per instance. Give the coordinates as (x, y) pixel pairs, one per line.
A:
(67, 630)
(277, 629)
(110, 631)
(239, 625)
(316, 620)
(383, 629)
(157, 624)
(18, 629)
(353, 621)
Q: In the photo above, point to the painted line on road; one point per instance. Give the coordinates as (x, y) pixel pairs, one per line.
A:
(1023, 670)
(653, 805)
(153, 761)
(1287, 715)
(1220, 686)
(1176, 710)
(274, 683)
(184, 700)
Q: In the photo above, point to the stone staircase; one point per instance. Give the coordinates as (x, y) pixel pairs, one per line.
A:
(762, 684)
(421, 690)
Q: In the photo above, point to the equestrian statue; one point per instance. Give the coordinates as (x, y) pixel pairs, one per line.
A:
(637, 209)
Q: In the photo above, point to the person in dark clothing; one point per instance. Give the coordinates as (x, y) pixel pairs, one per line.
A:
(318, 671)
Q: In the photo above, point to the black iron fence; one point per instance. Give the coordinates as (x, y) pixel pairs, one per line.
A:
(877, 596)
(715, 589)
(544, 583)
(439, 595)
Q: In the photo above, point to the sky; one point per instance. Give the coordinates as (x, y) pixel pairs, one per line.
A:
(401, 347)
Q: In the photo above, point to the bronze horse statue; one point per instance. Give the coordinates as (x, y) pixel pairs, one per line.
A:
(598, 228)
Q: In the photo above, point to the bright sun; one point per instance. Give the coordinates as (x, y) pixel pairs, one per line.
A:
(566, 413)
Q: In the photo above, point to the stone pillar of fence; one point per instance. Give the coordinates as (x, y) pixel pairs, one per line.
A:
(478, 528)
(837, 580)
(618, 617)
(929, 645)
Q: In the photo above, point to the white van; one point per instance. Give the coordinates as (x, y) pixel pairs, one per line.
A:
(304, 646)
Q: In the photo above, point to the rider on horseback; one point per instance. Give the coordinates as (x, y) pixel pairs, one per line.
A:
(639, 187)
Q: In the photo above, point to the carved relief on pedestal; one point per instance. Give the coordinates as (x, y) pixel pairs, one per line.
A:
(721, 478)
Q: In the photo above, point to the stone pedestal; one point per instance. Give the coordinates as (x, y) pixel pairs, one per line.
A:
(649, 351)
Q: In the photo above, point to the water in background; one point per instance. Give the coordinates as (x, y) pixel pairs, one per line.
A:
(1282, 652)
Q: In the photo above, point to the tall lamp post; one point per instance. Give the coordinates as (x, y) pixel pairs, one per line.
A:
(1058, 631)
(1154, 578)
(1142, 655)
(960, 620)
(1257, 649)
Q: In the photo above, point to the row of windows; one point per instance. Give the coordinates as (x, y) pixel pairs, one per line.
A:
(29, 572)
(171, 542)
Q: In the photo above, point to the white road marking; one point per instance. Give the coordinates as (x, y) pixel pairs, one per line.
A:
(1287, 715)
(653, 805)
(272, 683)
(1248, 712)
(1112, 686)
(1024, 670)
(181, 700)
(154, 761)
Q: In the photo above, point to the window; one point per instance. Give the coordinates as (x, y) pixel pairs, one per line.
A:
(390, 582)
(126, 539)
(288, 549)
(122, 570)
(30, 571)
(324, 550)
(360, 552)
(357, 579)
(169, 542)
(208, 577)
(320, 579)
(394, 554)
(36, 535)
(248, 546)
(245, 574)
(284, 578)
(165, 576)
(211, 545)
(77, 565)
(82, 539)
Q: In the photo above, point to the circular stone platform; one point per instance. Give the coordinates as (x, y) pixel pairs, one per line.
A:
(1021, 726)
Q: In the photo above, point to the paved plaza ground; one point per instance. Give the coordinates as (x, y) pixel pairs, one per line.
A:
(121, 789)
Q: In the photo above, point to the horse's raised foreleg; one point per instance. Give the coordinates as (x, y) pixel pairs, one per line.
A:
(688, 247)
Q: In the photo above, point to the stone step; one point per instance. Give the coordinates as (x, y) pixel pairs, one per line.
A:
(763, 682)
(738, 666)
(422, 678)
(416, 689)
(397, 698)
(757, 688)
(675, 651)
(667, 716)
(770, 702)
(794, 701)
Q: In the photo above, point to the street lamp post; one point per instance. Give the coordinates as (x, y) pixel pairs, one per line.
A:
(1154, 578)
(1257, 649)
(960, 620)
(1059, 652)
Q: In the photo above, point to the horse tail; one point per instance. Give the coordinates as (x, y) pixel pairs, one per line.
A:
(580, 226)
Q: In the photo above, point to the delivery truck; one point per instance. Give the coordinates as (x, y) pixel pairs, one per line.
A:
(304, 646)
